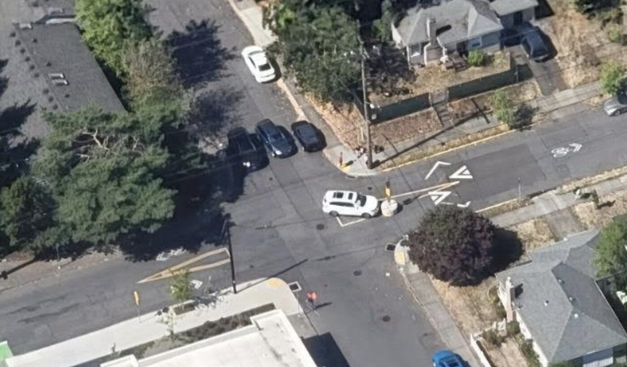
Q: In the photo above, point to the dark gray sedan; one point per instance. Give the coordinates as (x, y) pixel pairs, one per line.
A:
(616, 105)
(277, 140)
(308, 136)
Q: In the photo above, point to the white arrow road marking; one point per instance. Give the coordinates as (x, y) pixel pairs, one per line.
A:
(461, 174)
(438, 196)
(464, 205)
(196, 283)
(435, 166)
(576, 147)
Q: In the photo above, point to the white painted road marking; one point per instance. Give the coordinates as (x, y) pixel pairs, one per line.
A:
(349, 223)
(438, 196)
(435, 166)
(165, 256)
(464, 205)
(563, 151)
(461, 174)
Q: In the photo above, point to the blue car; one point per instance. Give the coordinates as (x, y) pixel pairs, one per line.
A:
(446, 358)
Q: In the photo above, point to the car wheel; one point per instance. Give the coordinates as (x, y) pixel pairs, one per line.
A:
(334, 214)
(366, 216)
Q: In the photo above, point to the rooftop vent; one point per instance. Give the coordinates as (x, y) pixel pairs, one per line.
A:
(25, 26)
(546, 303)
(560, 281)
(576, 315)
(55, 11)
(58, 78)
(572, 299)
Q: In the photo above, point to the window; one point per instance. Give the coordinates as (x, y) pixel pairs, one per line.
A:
(361, 200)
(264, 67)
(474, 43)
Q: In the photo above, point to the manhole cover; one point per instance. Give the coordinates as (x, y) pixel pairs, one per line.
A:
(320, 227)
(295, 287)
(357, 273)
(390, 247)
(270, 178)
(385, 318)
(369, 188)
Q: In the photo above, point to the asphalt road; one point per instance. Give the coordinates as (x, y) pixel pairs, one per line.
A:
(280, 230)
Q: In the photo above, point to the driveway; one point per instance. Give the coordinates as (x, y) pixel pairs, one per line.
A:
(547, 73)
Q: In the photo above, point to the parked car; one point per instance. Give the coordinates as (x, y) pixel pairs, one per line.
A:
(616, 105)
(245, 149)
(534, 45)
(350, 203)
(278, 141)
(446, 358)
(258, 63)
(308, 136)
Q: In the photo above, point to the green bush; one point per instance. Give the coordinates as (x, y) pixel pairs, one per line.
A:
(615, 34)
(513, 328)
(476, 58)
(612, 77)
(526, 347)
(492, 337)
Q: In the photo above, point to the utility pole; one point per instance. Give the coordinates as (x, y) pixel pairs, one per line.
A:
(362, 51)
(227, 232)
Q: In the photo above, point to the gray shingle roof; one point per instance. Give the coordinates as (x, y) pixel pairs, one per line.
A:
(59, 48)
(560, 302)
(467, 19)
(504, 7)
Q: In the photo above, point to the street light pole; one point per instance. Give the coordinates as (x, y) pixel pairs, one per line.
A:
(365, 102)
(227, 232)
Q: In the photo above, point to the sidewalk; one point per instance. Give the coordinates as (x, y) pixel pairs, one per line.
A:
(552, 201)
(149, 327)
(554, 106)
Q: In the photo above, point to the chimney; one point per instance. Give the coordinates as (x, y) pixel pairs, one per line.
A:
(510, 296)
(431, 31)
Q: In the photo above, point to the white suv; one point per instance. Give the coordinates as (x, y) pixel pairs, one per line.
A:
(350, 203)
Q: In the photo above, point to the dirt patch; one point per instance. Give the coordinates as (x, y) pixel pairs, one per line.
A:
(611, 205)
(581, 43)
(506, 355)
(504, 207)
(534, 234)
(345, 121)
(405, 128)
(589, 181)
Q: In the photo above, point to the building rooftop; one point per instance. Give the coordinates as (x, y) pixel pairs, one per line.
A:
(560, 301)
(455, 21)
(57, 54)
(270, 341)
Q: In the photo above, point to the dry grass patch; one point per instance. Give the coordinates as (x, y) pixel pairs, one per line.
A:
(470, 307)
(611, 205)
(533, 234)
(504, 207)
(506, 355)
(593, 180)
(413, 126)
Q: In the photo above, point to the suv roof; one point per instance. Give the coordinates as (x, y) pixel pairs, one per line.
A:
(344, 196)
(239, 137)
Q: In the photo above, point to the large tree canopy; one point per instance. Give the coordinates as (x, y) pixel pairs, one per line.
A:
(319, 44)
(454, 245)
(611, 253)
(108, 24)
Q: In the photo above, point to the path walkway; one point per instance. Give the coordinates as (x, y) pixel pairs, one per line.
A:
(150, 327)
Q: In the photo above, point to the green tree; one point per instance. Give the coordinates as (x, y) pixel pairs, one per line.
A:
(610, 256)
(454, 245)
(319, 45)
(109, 24)
(503, 108)
(612, 77)
(26, 211)
(181, 286)
(383, 25)
(102, 170)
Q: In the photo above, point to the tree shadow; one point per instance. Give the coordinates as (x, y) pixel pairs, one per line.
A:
(15, 149)
(524, 116)
(508, 249)
(390, 69)
(198, 52)
(213, 111)
(325, 351)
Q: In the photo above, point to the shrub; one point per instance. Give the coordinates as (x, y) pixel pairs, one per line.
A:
(513, 328)
(612, 77)
(526, 347)
(615, 34)
(476, 58)
(492, 337)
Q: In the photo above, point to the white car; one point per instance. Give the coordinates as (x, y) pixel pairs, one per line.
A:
(350, 203)
(258, 63)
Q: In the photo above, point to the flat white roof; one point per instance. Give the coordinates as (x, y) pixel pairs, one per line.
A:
(270, 341)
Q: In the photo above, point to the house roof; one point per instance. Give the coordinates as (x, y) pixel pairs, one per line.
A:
(560, 302)
(57, 50)
(456, 21)
(504, 7)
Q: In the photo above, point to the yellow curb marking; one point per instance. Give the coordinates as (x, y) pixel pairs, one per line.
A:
(167, 273)
(275, 282)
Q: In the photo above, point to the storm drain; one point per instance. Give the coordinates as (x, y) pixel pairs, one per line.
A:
(295, 287)
(390, 247)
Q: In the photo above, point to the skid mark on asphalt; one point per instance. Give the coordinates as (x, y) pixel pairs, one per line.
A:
(167, 273)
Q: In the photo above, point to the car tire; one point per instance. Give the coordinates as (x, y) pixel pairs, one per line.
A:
(366, 216)
(334, 214)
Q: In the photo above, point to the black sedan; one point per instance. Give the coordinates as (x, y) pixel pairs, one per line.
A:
(277, 141)
(308, 136)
